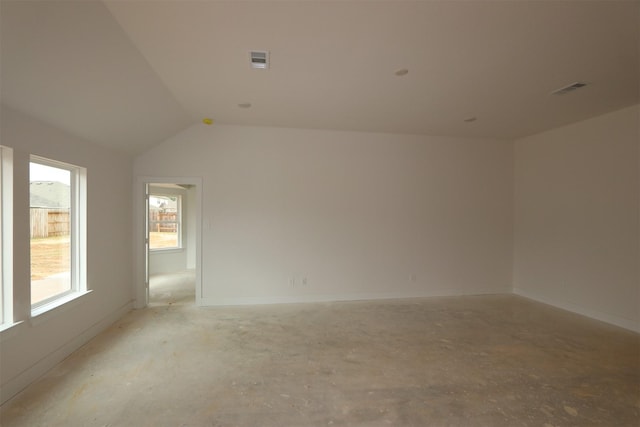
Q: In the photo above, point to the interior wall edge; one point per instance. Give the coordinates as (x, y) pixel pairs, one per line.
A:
(365, 296)
(611, 319)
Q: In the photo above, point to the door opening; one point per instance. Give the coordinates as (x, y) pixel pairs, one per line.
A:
(169, 270)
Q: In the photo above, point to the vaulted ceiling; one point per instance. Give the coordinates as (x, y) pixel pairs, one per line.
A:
(129, 74)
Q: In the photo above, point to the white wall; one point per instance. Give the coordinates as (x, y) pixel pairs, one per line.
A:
(190, 228)
(32, 347)
(576, 217)
(358, 215)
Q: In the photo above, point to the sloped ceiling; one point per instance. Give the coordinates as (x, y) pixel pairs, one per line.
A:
(71, 65)
(131, 73)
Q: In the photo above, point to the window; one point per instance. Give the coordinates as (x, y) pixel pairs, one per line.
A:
(6, 236)
(58, 232)
(165, 224)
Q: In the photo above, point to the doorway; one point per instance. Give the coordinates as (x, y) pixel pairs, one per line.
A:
(168, 217)
(171, 234)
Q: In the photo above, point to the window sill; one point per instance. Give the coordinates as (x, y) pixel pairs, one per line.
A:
(165, 251)
(46, 311)
(9, 330)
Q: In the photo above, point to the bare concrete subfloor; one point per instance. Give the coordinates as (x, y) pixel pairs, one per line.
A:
(462, 361)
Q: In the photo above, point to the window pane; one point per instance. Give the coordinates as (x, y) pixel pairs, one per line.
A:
(50, 191)
(164, 222)
(6, 235)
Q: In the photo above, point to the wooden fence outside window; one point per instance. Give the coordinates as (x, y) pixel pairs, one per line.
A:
(49, 222)
(163, 222)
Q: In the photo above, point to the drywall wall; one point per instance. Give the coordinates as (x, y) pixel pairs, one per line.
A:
(308, 215)
(576, 217)
(35, 345)
(190, 228)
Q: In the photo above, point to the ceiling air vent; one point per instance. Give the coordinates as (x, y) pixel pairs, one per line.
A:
(259, 59)
(567, 89)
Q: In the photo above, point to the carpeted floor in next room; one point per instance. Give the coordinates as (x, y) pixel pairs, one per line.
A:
(459, 361)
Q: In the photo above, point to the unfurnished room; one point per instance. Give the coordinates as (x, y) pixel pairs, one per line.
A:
(319, 213)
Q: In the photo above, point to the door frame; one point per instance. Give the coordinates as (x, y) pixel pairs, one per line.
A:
(141, 252)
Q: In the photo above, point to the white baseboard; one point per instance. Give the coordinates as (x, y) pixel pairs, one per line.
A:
(574, 308)
(22, 380)
(309, 298)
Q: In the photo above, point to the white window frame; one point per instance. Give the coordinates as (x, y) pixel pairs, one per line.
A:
(78, 236)
(178, 221)
(6, 238)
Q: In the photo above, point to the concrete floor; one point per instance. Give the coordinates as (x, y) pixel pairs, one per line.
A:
(462, 361)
